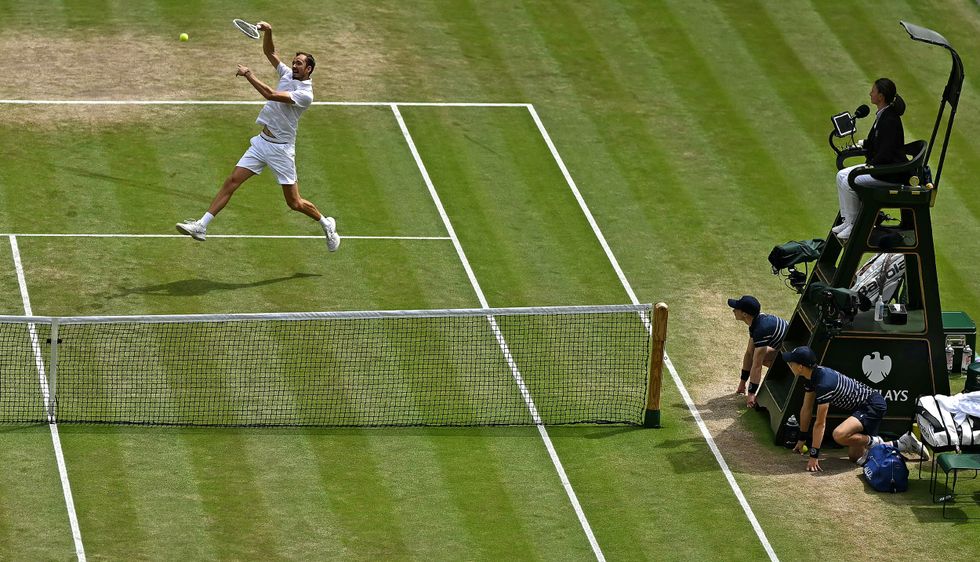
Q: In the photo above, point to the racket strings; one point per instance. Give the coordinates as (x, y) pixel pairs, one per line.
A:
(246, 28)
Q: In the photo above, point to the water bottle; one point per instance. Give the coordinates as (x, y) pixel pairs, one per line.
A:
(949, 358)
(791, 432)
(967, 357)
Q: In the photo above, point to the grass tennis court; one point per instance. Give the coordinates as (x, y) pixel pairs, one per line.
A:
(695, 132)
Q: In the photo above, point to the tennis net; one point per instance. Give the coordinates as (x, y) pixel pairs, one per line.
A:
(519, 366)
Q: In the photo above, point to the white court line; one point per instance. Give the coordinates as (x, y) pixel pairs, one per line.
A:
(249, 102)
(76, 531)
(670, 366)
(500, 339)
(259, 236)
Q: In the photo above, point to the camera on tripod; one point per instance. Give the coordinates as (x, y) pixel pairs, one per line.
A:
(837, 306)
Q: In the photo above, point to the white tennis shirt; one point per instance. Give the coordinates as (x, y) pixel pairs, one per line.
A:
(283, 118)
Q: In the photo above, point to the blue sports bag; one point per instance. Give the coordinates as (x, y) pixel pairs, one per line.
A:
(885, 469)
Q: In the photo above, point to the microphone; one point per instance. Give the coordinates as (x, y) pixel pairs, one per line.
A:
(861, 111)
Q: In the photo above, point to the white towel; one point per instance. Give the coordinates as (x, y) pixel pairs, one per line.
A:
(961, 405)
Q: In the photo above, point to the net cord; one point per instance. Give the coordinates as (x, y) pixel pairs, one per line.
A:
(642, 309)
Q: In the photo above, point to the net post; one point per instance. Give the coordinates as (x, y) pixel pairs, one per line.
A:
(53, 372)
(658, 337)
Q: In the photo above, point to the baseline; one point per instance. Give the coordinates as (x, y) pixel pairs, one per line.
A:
(76, 532)
(670, 366)
(505, 349)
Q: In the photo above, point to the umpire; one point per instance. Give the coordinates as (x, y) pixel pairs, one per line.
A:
(766, 333)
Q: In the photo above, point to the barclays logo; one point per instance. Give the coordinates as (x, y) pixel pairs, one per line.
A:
(876, 367)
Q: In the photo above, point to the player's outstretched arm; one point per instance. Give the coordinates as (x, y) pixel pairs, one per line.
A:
(268, 47)
(260, 86)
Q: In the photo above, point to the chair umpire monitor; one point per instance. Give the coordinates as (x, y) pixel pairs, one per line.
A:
(900, 351)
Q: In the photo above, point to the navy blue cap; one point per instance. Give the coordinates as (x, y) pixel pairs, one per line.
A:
(748, 304)
(802, 355)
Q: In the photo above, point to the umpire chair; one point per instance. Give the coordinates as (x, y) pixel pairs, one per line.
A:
(901, 354)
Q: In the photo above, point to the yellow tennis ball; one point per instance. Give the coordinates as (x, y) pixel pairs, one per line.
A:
(184, 37)
(806, 449)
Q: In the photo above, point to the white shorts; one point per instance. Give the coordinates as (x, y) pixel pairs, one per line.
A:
(280, 157)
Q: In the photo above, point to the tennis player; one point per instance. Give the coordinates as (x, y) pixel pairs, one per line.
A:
(275, 146)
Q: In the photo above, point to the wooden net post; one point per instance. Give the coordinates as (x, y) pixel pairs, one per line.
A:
(658, 337)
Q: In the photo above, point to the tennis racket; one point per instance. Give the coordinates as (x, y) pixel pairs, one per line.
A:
(246, 28)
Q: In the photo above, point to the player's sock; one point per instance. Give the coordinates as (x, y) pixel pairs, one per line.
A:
(323, 221)
(206, 219)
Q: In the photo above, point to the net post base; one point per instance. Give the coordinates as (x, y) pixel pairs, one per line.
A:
(651, 419)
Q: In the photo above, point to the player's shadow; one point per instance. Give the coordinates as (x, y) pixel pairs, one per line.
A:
(199, 287)
(140, 183)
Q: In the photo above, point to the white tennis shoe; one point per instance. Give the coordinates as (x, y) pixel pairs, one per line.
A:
(193, 228)
(875, 440)
(840, 227)
(330, 231)
(909, 444)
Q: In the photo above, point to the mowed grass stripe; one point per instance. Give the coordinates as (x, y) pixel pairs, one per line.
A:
(770, 88)
(351, 475)
(119, 177)
(176, 162)
(298, 509)
(841, 83)
(163, 494)
(524, 238)
(174, 276)
(441, 497)
(724, 122)
(10, 301)
(482, 32)
(423, 497)
(66, 277)
(505, 489)
(676, 186)
(33, 517)
(236, 505)
(664, 482)
(120, 527)
(628, 158)
(353, 161)
(475, 41)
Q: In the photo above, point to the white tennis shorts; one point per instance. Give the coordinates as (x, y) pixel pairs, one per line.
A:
(280, 157)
